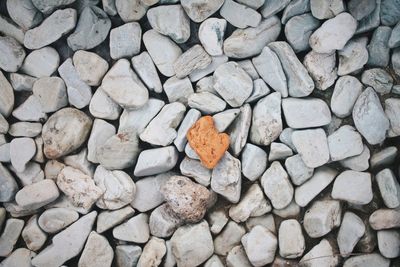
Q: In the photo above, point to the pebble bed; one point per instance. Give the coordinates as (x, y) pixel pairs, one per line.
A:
(296, 163)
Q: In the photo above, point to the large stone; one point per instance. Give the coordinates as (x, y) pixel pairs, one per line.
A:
(353, 187)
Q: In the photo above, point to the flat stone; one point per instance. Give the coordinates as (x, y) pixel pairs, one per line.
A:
(145, 68)
(298, 30)
(130, 10)
(228, 238)
(125, 40)
(37, 194)
(191, 117)
(51, 29)
(307, 191)
(124, 86)
(211, 35)
(326, 9)
(333, 33)
(350, 232)
(103, 106)
(353, 56)
(66, 244)
(353, 187)
(240, 129)
(6, 96)
(322, 217)
(193, 168)
(378, 79)
(42, 62)
(97, 251)
(10, 235)
(238, 15)
(178, 89)
(192, 59)
(390, 12)
(54, 220)
(135, 229)
(21, 257)
(385, 219)
(322, 254)
(297, 170)
(243, 43)
(164, 221)
(47, 6)
(162, 50)
(345, 94)
(369, 260)
(156, 160)
(127, 255)
(22, 151)
(12, 53)
(108, 219)
(291, 239)
(369, 117)
(344, 143)
(33, 235)
(378, 47)
(254, 161)
(392, 107)
(90, 67)
(53, 99)
(153, 252)
(199, 10)
(21, 82)
(260, 246)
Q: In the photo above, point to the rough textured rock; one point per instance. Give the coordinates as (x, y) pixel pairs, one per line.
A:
(321, 68)
(199, 10)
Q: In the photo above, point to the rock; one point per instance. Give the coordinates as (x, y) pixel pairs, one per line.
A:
(148, 194)
(277, 186)
(384, 219)
(390, 12)
(191, 117)
(20, 257)
(161, 130)
(125, 40)
(22, 151)
(260, 89)
(135, 229)
(237, 257)
(178, 89)
(368, 260)
(47, 6)
(30, 110)
(333, 34)
(350, 232)
(209, 145)
(232, 83)
(52, 169)
(109, 7)
(5, 153)
(42, 62)
(322, 217)
(10, 235)
(217, 219)
(384, 157)
(215, 62)
(127, 255)
(394, 40)
(378, 79)
(162, 50)
(299, 29)
(199, 10)
(156, 160)
(21, 82)
(102, 106)
(33, 235)
(353, 187)
(326, 9)
(124, 86)
(211, 35)
(9, 186)
(51, 29)
(378, 48)
(389, 188)
(101, 131)
(118, 187)
(290, 211)
(359, 162)
(323, 77)
(265, 220)
(322, 254)
(228, 238)
(254, 161)
(371, 21)
(130, 10)
(226, 178)
(346, 91)
(170, 20)
(295, 8)
(37, 195)
(353, 56)
(252, 204)
(248, 66)
(345, 142)
(66, 244)
(392, 106)
(243, 43)
(90, 67)
(108, 219)
(153, 252)
(50, 100)
(191, 153)
(260, 246)
(297, 170)
(6, 96)
(240, 129)
(192, 59)
(12, 53)
(163, 221)
(388, 243)
(144, 67)
(359, 13)
(214, 261)
(32, 174)
(55, 219)
(240, 16)
(368, 109)
(97, 251)
(272, 7)
(206, 102)
(17, 211)
(291, 239)
(9, 28)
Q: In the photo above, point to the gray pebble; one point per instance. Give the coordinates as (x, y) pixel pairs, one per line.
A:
(353, 56)
(298, 30)
(347, 90)
(378, 48)
(378, 79)
(353, 187)
(12, 54)
(254, 161)
(156, 160)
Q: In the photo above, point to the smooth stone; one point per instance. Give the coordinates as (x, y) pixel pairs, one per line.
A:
(213, 261)
(163, 51)
(300, 83)
(291, 239)
(224, 119)
(226, 178)
(189, 151)
(344, 143)
(353, 56)
(161, 129)
(390, 12)
(170, 20)
(135, 229)
(248, 67)
(333, 34)
(9, 185)
(383, 157)
(125, 40)
(353, 187)
(6, 96)
(97, 251)
(378, 47)
(215, 63)
(10, 235)
(394, 39)
(389, 243)
(238, 15)
(191, 60)
(16, 211)
(109, 218)
(127, 255)
(42, 62)
(124, 86)
(254, 161)
(191, 117)
(48, 6)
(237, 257)
(32, 174)
(322, 9)
(91, 67)
(206, 102)
(368, 260)
(4, 126)
(103, 106)
(5, 153)
(30, 110)
(266, 121)
(279, 151)
(385, 219)
(297, 170)
(193, 168)
(66, 244)
(347, 90)
(22, 151)
(155, 161)
(54, 220)
(392, 107)
(145, 68)
(199, 10)
(290, 211)
(325, 76)
(130, 10)
(239, 130)
(359, 162)
(79, 161)
(266, 220)
(260, 246)
(272, 7)
(298, 30)
(163, 221)
(369, 117)
(37, 194)
(21, 257)
(178, 90)
(21, 82)
(350, 232)
(9, 28)
(51, 93)
(378, 79)
(389, 188)
(153, 252)
(148, 194)
(322, 217)
(217, 219)
(243, 43)
(297, 7)
(12, 54)
(51, 29)
(228, 238)
(109, 7)
(39, 155)
(322, 254)
(211, 35)
(260, 89)
(371, 21)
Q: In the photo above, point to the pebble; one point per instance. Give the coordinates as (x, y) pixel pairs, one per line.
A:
(127, 255)
(322, 254)
(153, 252)
(237, 257)
(9, 28)
(125, 40)
(5, 153)
(378, 79)
(383, 157)
(118, 187)
(345, 94)
(47, 6)
(192, 59)
(359, 162)
(66, 244)
(10, 235)
(260, 89)
(389, 188)
(156, 160)
(384, 219)
(211, 35)
(199, 10)
(333, 34)
(135, 229)
(290, 211)
(378, 48)
(50, 100)
(33, 235)
(9, 186)
(297, 170)
(191, 117)
(260, 246)
(109, 218)
(312, 146)
(291, 239)
(369, 117)
(350, 232)
(193, 168)
(20, 257)
(42, 62)
(322, 217)
(12, 53)
(164, 221)
(51, 29)
(200, 73)
(170, 20)
(206, 102)
(37, 194)
(144, 67)
(298, 30)
(161, 129)
(217, 219)
(254, 161)
(368, 260)
(243, 43)
(163, 51)
(102, 106)
(213, 261)
(97, 251)
(321, 68)
(272, 7)
(394, 39)
(344, 143)
(353, 187)
(326, 9)
(228, 238)
(22, 151)
(226, 178)
(295, 8)
(238, 15)
(130, 10)
(240, 129)
(91, 68)
(21, 82)
(392, 106)
(55, 219)
(353, 56)
(389, 243)
(178, 90)
(390, 12)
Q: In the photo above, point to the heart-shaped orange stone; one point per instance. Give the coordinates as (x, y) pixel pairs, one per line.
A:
(209, 144)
